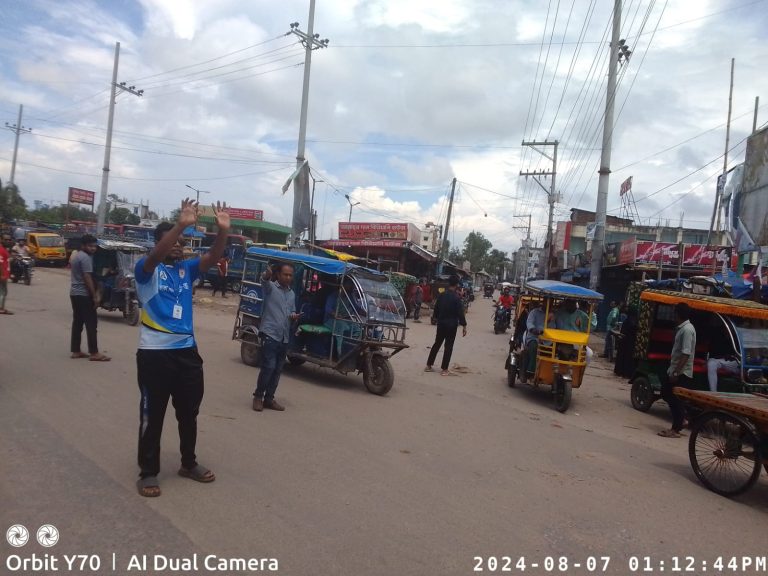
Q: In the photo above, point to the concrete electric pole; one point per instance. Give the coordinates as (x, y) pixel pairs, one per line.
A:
(617, 48)
(108, 146)
(551, 193)
(311, 41)
(441, 255)
(18, 129)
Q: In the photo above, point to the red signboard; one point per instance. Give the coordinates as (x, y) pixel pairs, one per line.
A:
(79, 196)
(654, 252)
(700, 256)
(626, 186)
(627, 252)
(372, 230)
(245, 214)
(366, 243)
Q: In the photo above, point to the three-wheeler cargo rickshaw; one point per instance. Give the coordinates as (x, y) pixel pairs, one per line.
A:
(726, 328)
(557, 356)
(729, 439)
(114, 266)
(352, 318)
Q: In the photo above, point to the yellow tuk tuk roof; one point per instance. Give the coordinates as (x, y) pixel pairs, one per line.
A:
(728, 306)
(565, 336)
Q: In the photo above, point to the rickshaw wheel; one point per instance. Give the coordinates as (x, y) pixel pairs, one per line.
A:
(295, 361)
(235, 286)
(511, 376)
(381, 378)
(250, 354)
(563, 390)
(642, 394)
(725, 453)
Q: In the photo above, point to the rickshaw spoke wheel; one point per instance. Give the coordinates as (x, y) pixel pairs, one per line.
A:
(381, 377)
(725, 453)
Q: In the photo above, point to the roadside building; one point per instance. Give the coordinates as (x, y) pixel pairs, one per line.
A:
(249, 223)
(386, 246)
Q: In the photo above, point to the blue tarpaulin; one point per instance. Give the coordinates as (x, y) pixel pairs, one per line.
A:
(191, 232)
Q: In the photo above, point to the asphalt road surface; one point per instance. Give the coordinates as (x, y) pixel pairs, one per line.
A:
(420, 482)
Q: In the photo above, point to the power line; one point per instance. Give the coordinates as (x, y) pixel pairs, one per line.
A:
(208, 61)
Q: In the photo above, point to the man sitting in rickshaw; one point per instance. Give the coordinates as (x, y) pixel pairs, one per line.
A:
(340, 306)
(572, 319)
(535, 327)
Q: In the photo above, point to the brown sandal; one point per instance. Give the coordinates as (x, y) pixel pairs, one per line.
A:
(100, 358)
(76, 355)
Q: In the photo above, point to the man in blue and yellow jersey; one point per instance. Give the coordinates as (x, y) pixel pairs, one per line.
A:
(168, 363)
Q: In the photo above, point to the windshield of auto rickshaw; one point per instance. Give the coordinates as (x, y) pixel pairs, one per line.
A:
(567, 330)
(383, 302)
(753, 336)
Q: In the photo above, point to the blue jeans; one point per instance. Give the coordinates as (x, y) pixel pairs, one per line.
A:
(272, 361)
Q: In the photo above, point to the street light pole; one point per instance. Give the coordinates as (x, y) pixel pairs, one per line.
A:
(351, 205)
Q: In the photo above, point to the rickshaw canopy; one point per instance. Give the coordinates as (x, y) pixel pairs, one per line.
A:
(553, 288)
(119, 245)
(317, 263)
(565, 336)
(726, 306)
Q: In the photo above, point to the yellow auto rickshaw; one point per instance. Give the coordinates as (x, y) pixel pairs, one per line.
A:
(554, 349)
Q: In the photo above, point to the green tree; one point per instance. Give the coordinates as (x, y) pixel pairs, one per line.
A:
(123, 216)
(476, 249)
(494, 263)
(455, 255)
(12, 205)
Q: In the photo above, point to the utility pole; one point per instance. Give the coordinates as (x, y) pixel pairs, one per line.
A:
(551, 194)
(197, 195)
(351, 205)
(526, 248)
(311, 41)
(617, 48)
(715, 222)
(102, 216)
(18, 129)
(441, 253)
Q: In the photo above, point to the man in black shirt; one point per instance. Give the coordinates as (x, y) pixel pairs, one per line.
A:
(449, 313)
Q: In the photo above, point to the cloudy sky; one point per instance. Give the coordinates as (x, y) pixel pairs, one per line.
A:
(408, 94)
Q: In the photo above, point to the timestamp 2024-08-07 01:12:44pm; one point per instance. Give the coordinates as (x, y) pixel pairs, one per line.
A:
(757, 564)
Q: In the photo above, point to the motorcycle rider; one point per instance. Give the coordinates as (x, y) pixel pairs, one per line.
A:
(507, 301)
(21, 249)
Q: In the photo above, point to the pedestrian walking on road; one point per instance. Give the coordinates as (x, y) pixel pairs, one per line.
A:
(222, 267)
(5, 273)
(167, 362)
(449, 313)
(418, 299)
(680, 372)
(85, 299)
(278, 312)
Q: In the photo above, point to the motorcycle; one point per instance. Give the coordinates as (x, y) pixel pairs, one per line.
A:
(501, 319)
(21, 269)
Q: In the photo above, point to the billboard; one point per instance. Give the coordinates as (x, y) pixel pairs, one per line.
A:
(619, 253)
(376, 231)
(666, 253)
(80, 196)
(700, 256)
(245, 214)
(753, 202)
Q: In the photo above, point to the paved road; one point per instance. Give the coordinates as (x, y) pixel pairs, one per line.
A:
(419, 482)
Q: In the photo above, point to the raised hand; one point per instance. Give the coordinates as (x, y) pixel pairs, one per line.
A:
(221, 214)
(188, 213)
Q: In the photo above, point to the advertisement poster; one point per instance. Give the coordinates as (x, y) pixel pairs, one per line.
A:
(372, 231)
(80, 196)
(654, 252)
